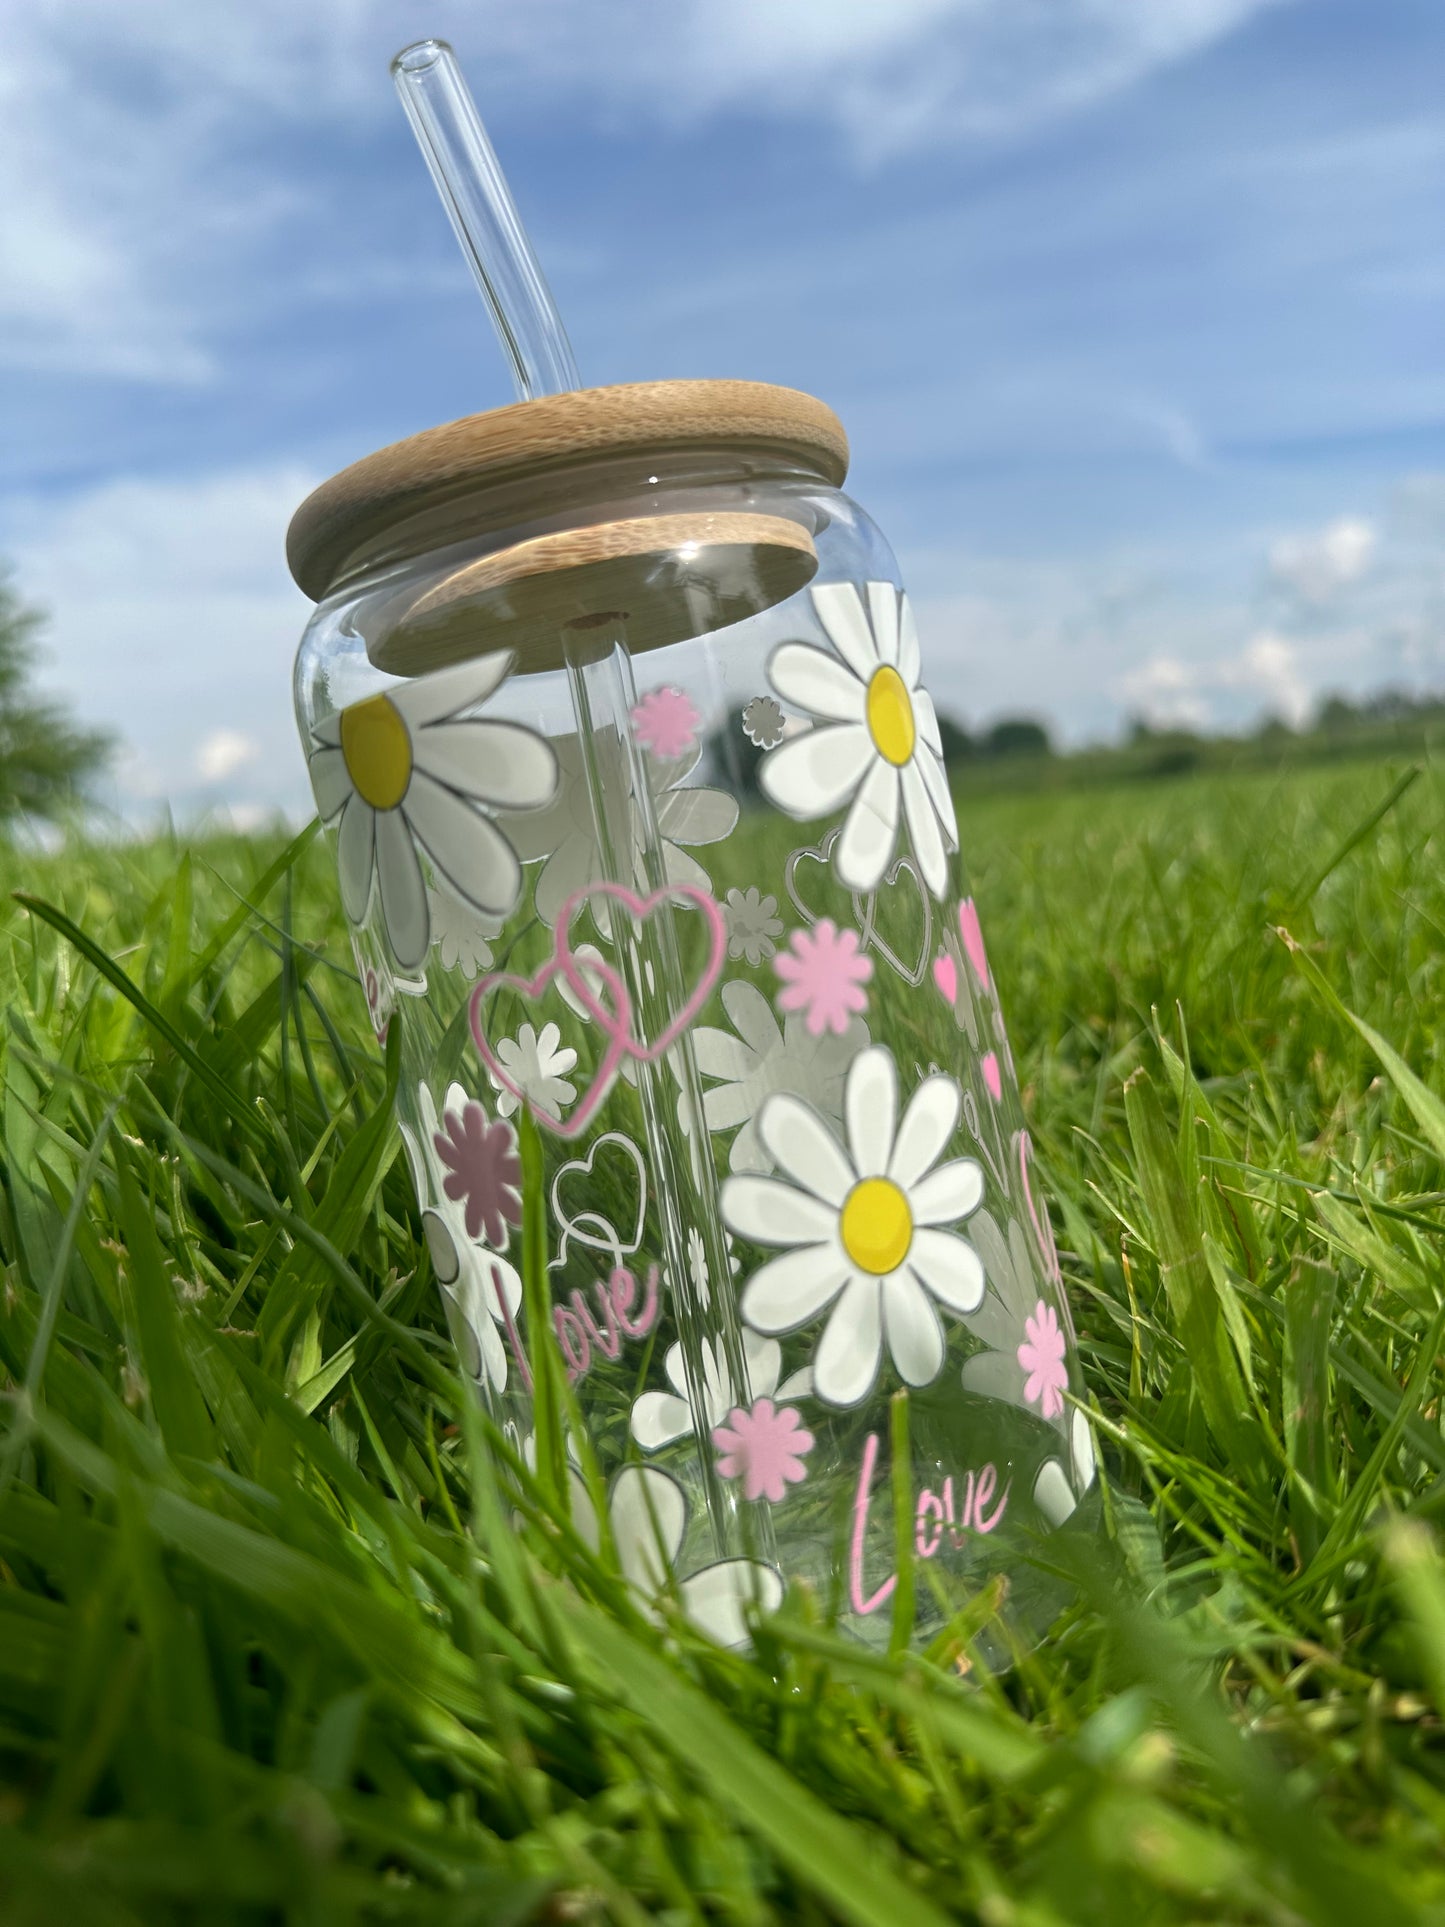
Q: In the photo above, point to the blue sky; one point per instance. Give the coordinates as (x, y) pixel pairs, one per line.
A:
(1134, 311)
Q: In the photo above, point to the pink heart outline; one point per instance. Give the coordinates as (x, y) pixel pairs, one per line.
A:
(619, 1028)
(616, 1029)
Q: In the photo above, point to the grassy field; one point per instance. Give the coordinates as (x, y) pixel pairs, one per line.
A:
(274, 1648)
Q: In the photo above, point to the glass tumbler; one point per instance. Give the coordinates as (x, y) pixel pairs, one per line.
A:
(613, 701)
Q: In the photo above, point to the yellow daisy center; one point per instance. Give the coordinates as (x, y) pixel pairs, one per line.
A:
(890, 716)
(876, 1226)
(377, 746)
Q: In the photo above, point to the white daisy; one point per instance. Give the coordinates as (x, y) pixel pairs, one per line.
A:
(753, 924)
(463, 938)
(647, 1511)
(879, 744)
(538, 1068)
(863, 1223)
(480, 1290)
(661, 1418)
(761, 1059)
(566, 835)
(411, 768)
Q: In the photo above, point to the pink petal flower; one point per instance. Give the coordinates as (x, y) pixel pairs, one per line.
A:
(945, 975)
(666, 721)
(992, 1076)
(1042, 1356)
(824, 972)
(971, 931)
(484, 1169)
(765, 1447)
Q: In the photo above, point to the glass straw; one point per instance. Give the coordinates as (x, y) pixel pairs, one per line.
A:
(474, 191)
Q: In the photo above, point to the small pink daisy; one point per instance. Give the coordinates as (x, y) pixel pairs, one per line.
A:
(970, 929)
(764, 1447)
(824, 973)
(484, 1169)
(992, 1075)
(666, 721)
(1042, 1357)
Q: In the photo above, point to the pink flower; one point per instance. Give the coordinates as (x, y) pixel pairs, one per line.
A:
(484, 1169)
(992, 1076)
(971, 931)
(764, 1447)
(1042, 1357)
(666, 721)
(945, 975)
(825, 975)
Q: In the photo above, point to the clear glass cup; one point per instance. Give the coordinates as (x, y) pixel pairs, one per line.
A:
(651, 857)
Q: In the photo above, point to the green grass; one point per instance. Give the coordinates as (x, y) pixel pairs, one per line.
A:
(274, 1646)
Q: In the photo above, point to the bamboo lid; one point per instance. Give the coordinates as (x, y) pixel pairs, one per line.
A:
(670, 575)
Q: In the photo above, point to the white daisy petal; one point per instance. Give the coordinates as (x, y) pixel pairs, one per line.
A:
(840, 610)
(929, 1122)
(503, 764)
(331, 782)
(658, 1418)
(846, 1361)
(925, 716)
(355, 854)
(648, 1514)
(947, 1194)
(813, 774)
(1083, 1443)
(1052, 1493)
(446, 692)
(718, 1599)
(935, 781)
(870, 1105)
(790, 1290)
(469, 850)
(909, 658)
(695, 816)
(584, 1513)
(772, 1213)
(494, 1352)
(819, 683)
(441, 1246)
(915, 1337)
(403, 893)
(883, 611)
(923, 831)
(950, 1269)
(764, 1360)
(871, 831)
(328, 731)
(804, 1149)
(994, 1375)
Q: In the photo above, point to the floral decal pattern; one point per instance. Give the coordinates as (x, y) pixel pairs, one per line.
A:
(875, 743)
(413, 769)
(862, 1224)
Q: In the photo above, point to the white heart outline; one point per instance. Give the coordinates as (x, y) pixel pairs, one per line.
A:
(865, 910)
(590, 1228)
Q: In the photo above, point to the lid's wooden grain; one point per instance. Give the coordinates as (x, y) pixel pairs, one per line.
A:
(769, 430)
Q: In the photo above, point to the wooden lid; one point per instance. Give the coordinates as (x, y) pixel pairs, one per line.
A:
(777, 431)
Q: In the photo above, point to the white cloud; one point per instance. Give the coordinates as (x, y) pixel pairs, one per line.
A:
(135, 181)
(223, 752)
(1315, 568)
(1170, 692)
(173, 620)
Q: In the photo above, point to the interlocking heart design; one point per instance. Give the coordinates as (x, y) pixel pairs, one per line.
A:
(865, 910)
(590, 1228)
(599, 990)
